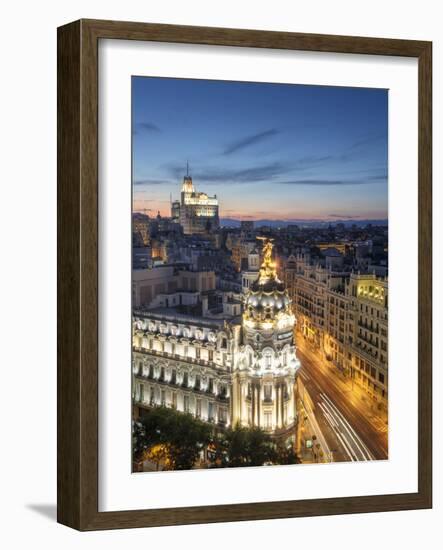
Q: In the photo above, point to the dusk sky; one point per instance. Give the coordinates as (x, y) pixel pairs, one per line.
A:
(268, 151)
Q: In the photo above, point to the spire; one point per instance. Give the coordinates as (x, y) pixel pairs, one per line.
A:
(187, 186)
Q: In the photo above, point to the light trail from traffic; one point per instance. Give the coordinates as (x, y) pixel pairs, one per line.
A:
(351, 430)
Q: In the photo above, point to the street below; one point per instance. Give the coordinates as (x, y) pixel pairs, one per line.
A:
(352, 428)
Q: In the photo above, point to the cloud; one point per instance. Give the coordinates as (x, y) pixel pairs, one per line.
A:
(247, 141)
(367, 141)
(376, 177)
(214, 175)
(324, 182)
(245, 175)
(294, 171)
(146, 127)
(150, 182)
(313, 160)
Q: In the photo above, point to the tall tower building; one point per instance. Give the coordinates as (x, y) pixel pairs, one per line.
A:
(198, 212)
(266, 365)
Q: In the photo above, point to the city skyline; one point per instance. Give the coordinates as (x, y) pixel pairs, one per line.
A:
(269, 151)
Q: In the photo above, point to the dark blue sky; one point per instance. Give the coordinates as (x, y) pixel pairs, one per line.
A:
(273, 151)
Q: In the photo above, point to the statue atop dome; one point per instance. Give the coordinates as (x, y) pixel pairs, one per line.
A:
(268, 267)
(267, 279)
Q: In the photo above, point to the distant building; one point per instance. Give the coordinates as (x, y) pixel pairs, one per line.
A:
(175, 211)
(246, 228)
(197, 212)
(169, 286)
(333, 259)
(141, 257)
(251, 273)
(141, 229)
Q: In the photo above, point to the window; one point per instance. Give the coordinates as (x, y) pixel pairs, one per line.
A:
(185, 382)
(198, 408)
(267, 391)
(268, 420)
(210, 355)
(222, 415)
(173, 376)
(186, 403)
(268, 360)
(163, 398)
(211, 385)
(174, 400)
(141, 391)
(197, 382)
(197, 352)
(210, 411)
(285, 391)
(381, 377)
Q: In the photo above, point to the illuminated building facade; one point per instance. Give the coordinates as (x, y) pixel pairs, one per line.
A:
(197, 212)
(345, 316)
(264, 385)
(367, 297)
(227, 369)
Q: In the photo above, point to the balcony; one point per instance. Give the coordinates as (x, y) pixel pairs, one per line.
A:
(361, 349)
(222, 397)
(176, 357)
(369, 327)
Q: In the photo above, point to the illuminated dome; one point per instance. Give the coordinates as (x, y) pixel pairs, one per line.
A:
(267, 305)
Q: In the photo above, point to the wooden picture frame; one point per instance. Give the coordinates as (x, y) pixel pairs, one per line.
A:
(78, 274)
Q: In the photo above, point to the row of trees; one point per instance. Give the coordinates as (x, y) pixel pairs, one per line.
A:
(175, 441)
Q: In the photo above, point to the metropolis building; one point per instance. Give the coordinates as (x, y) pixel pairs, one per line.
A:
(235, 368)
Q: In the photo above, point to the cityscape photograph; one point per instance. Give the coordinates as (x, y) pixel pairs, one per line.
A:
(259, 274)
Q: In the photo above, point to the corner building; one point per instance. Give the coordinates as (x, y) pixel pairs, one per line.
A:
(236, 370)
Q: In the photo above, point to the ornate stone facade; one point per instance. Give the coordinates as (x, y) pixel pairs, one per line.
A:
(225, 371)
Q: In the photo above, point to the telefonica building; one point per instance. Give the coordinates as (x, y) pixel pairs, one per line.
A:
(232, 364)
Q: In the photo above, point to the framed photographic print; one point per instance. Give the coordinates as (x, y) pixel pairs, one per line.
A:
(244, 275)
